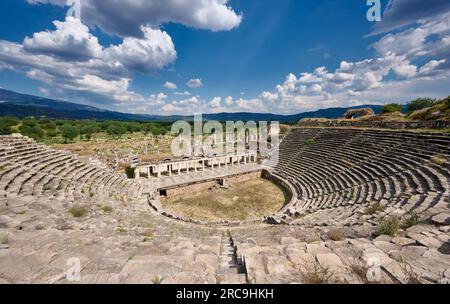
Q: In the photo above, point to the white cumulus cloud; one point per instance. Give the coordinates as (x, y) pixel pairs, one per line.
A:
(195, 83)
(170, 85)
(70, 40)
(126, 17)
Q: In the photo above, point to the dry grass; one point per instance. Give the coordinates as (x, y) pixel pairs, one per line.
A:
(439, 160)
(336, 235)
(315, 274)
(78, 211)
(148, 235)
(361, 272)
(121, 229)
(105, 147)
(4, 239)
(243, 201)
(106, 209)
(375, 208)
(157, 280)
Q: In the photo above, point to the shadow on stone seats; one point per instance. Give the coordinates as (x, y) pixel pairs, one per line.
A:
(445, 248)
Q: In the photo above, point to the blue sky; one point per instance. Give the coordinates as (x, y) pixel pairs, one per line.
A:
(284, 56)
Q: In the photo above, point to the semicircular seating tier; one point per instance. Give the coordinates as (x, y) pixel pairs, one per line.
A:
(29, 169)
(338, 173)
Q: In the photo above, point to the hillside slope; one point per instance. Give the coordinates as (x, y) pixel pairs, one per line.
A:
(21, 105)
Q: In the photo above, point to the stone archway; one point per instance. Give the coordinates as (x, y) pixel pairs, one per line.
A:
(354, 113)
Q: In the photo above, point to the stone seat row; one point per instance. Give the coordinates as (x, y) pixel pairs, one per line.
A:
(354, 167)
(28, 168)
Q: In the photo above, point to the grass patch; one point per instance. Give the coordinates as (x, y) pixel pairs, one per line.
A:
(4, 239)
(411, 277)
(315, 274)
(309, 142)
(246, 200)
(361, 272)
(47, 187)
(375, 208)
(411, 220)
(121, 229)
(148, 235)
(389, 226)
(78, 211)
(157, 280)
(335, 235)
(439, 160)
(350, 195)
(106, 209)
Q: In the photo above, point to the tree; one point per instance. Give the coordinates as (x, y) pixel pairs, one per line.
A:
(116, 129)
(30, 128)
(29, 122)
(392, 107)
(133, 127)
(146, 129)
(50, 133)
(420, 103)
(49, 127)
(34, 132)
(6, 124)
(90, 129)
(69, 132)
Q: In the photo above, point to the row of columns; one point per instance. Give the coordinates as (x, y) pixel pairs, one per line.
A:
(199, 164)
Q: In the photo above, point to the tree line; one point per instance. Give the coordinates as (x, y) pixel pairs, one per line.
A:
(45, 128)
(414, 105)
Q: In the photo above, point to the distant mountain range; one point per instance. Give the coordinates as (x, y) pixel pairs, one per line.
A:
(21, 105)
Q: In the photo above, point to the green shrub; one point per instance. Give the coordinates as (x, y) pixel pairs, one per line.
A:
(389, 226)
(411, 220)
(351, 195)
(420, 103)
(6, 124)
(78, 211)
(309, 142)
(391, 108)
(31, 129)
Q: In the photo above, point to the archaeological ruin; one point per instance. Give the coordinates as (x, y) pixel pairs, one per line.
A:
(362, 206)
